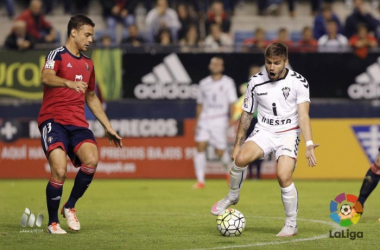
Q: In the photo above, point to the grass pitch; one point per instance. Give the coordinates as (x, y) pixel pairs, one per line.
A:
(168, 214)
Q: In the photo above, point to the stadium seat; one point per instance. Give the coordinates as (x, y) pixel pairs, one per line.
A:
(271, 35)
(240, 36)
(295, 36)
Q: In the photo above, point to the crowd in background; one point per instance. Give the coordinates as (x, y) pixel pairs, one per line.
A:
(199, 23)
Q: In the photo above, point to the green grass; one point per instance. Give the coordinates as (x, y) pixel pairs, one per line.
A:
(168, 214)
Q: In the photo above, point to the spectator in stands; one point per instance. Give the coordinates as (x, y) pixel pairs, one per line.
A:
(332, 41)
(360, 15)
(19, 39)
(133, 36)
(191, 41)
(164, 37)
(362, 41)
(122, 11)
(307, 43)
(217, 15)
(218, 40)
(10, 8)
(106, 41)
(320, 21)
(36, 24)
(162, 17)
(283, 37)
(256, 42)
(185, 19)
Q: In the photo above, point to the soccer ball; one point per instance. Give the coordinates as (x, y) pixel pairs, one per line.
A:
(230, 223)
(345, 209)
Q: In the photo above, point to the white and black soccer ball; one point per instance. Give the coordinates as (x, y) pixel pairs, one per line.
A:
(345, 209)
(231, 222)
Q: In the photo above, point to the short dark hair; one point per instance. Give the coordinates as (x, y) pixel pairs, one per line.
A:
(276, 49)
(78, 21)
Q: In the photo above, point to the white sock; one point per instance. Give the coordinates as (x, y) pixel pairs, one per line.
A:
(226, 160)
(237, 176)
(200, 166)
(289, 198)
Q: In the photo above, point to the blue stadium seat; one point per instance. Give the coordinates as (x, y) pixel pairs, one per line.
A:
(58, 41)
(295, 36)
(271, 35)
(240, 36)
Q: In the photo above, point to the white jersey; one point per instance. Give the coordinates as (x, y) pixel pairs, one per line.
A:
(216, 97)
(276, 101)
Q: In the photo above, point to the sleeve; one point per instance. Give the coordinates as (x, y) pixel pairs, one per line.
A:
(250, 100)
(91, 82)
(303, 93)
(53, 60)
(200, 94)
(232, 96)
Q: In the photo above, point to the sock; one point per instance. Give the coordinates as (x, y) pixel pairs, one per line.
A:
(289, 196)
(200, 166)
(226, 160)
(82, 181)
(53, 198)
(237, 176)
(369, 184)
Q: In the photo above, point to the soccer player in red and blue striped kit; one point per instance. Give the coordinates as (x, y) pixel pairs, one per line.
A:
(69, 81)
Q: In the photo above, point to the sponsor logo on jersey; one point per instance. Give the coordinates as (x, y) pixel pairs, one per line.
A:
(262, 93)
(367, 84)
(49, 64)
(276, 122)
(78, 77)
(168, 80)
(369, 138)
(285, 92)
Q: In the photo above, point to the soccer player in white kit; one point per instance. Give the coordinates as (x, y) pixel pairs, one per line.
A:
(281, 97)
(215, 105)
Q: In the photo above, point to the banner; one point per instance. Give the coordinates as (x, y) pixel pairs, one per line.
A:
(348, 148)
(175, 76)
(20, 73)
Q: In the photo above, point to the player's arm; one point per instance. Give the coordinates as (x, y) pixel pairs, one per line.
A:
(304, 123)
(245, 122)
(198, 111)
(95, 106)
(51, 80)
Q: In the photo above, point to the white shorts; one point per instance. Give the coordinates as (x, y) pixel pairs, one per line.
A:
(282, 143)
(215, 133)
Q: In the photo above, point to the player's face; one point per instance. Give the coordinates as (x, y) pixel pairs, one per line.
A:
(216, 66)
(275, 67)
(83, 37)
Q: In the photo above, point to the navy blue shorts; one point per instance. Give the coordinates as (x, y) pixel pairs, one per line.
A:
(67, 137)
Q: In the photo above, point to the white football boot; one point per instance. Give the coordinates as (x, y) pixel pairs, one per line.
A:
(71, 217)
(288, 231)
(223, 204)
(55, 228)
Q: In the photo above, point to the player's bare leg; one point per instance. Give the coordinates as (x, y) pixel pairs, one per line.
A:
(200, 164)
(58, 167)
(249, 152)
(289, 196)
(370, 182)
(88, 155)
(225, 160)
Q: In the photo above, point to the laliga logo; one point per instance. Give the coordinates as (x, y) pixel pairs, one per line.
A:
(28, 219)
(345, 210)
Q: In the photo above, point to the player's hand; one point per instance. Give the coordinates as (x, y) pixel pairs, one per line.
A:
(113, 137)
(311, 159)
(78, 86)
(235, 151)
